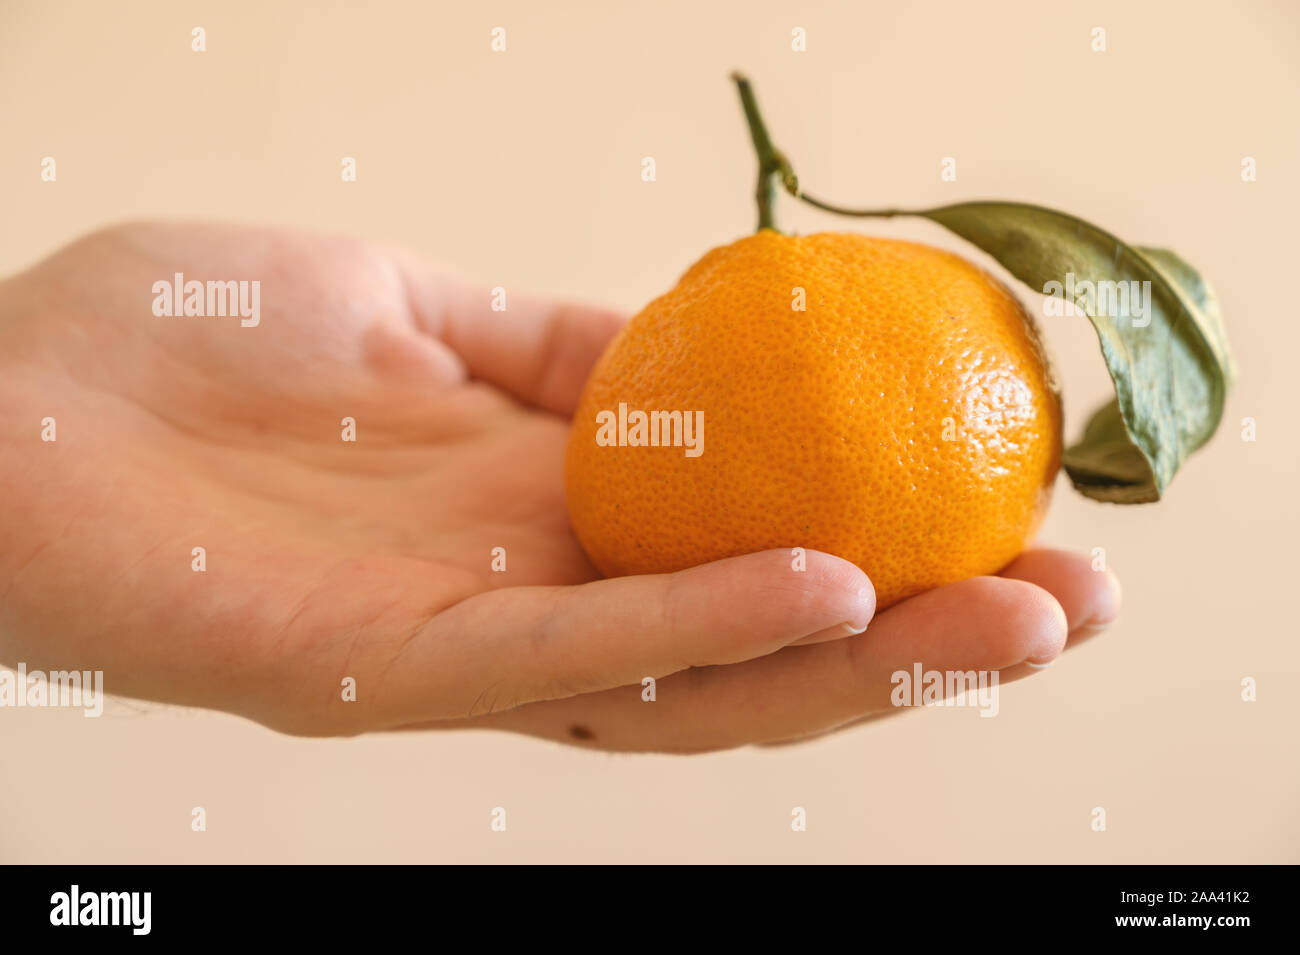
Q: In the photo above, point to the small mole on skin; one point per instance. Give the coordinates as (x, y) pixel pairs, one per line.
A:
(581, 732)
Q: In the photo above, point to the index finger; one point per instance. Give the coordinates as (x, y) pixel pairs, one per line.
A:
(538, 350)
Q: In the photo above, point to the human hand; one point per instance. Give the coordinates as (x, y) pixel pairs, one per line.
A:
(372, 559)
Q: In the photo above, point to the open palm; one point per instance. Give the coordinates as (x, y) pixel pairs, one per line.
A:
(429, 562)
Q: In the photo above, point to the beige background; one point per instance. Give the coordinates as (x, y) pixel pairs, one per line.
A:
(523, 169)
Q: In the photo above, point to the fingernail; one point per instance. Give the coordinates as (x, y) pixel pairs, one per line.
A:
(837, 632)
(1088, 630)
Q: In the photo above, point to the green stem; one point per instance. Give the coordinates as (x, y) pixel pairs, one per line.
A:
(772, 163)
(860, 213)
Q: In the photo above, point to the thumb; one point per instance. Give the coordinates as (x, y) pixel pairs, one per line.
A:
(508, 647)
